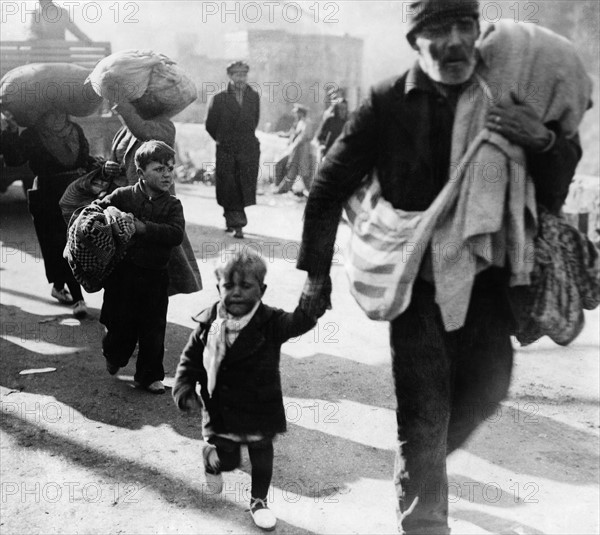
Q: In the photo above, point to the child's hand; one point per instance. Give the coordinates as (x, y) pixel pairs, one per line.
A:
(112, 169)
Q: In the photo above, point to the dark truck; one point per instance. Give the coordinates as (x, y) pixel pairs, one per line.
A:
(99, 128)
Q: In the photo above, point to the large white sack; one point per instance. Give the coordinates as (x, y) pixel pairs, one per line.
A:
(169, 91)
(154, 83)
(123, 75)
(31, 90)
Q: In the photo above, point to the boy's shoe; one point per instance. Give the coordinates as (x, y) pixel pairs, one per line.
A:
(213, 476)
(229, 229)
(238, 233)
(156, 387)
(79, 309)
(62, 296)
(112, 368)
(263, 516)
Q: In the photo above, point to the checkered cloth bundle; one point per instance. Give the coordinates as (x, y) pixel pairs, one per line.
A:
(97, 241)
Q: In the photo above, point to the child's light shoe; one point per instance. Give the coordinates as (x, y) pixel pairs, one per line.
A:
(213, 476)
(62, 296)
(263, 516)
(79, 309)
(156, 387)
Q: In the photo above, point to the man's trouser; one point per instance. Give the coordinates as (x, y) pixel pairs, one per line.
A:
(446, 384)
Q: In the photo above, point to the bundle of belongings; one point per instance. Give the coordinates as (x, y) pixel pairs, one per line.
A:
(30, 91)
(564, 282)
(152, 82)
(97, 241)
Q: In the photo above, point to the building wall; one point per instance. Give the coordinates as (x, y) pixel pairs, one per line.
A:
(292, 68)
(285, 68)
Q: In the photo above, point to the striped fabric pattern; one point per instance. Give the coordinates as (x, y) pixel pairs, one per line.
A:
(384, 253)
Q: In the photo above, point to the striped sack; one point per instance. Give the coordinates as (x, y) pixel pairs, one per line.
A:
(384, 252)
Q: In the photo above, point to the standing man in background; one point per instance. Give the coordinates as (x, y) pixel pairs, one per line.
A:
(50, 21)
(332, 126)
(231, 121)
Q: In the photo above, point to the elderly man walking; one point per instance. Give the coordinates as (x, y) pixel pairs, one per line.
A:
(448, 376)
(231, 121)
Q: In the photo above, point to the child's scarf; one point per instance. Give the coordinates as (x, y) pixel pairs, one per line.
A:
(221, 334)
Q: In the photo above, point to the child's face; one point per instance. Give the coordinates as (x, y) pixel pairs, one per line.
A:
(158, 176)
(98, 185)
(240, 292)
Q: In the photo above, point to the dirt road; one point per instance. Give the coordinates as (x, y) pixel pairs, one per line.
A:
(84, 452)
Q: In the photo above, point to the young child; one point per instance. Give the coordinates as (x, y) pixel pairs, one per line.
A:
(85, 190)
(134, 310)
(234, 354)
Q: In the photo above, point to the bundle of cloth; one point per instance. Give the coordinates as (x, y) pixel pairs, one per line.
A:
(565, 281)
(97, 241)
(152, 82)
(30, 91)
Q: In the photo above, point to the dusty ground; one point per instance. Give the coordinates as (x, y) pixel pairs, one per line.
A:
(83, 452)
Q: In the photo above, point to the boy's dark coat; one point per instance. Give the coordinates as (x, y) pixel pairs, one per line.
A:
(247, 396)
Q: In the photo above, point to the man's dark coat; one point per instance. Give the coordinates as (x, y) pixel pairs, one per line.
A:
(238, 151)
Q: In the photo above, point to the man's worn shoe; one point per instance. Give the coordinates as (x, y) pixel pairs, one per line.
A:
(263, 516)
(79, 309)
(62, 296)
(238, 233)
(156, 387)
(112, 368)
(213, 476)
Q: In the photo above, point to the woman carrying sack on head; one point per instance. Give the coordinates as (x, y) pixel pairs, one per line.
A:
(57, 153)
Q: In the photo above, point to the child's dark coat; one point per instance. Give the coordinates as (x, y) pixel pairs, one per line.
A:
(247, 396)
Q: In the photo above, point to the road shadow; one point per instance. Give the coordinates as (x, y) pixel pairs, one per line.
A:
(495, 524)
(139, 475)
(82, 384)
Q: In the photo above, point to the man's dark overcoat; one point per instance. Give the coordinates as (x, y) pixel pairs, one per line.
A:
(238, 151)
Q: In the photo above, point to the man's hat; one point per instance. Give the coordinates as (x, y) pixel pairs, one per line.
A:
(240, 66)
(424, 12)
